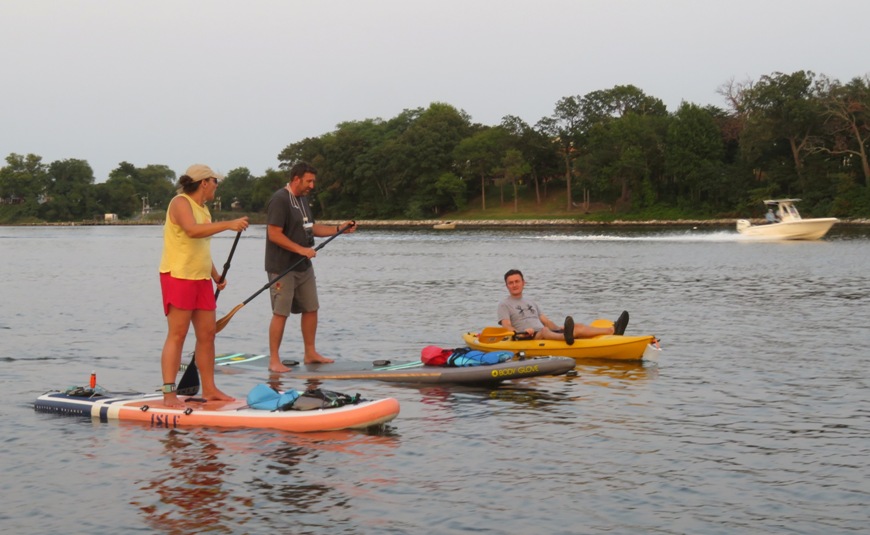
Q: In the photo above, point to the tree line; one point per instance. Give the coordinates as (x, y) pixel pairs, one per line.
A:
(784, 135)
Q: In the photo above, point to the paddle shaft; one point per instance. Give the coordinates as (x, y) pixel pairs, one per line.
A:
(227, 264)
(221, 323)
(293, 266)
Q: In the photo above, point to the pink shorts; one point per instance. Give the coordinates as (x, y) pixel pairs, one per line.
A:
(187, 294)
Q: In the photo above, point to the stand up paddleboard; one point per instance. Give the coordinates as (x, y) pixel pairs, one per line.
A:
(149, 409)
(231, 358)
(417, 372)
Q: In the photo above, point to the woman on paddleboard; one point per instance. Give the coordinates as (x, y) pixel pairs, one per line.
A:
(186, 275)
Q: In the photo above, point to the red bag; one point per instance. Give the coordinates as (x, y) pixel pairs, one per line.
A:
(435, 356)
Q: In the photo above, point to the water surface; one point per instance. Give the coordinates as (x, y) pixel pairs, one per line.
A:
(755, 420)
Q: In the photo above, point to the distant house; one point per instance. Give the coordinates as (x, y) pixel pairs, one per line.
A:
(12, 199)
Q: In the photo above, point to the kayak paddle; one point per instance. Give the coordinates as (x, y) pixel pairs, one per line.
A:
(495, 334)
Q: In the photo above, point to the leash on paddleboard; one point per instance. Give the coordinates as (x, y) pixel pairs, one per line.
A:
(189, 384)
(221, 323)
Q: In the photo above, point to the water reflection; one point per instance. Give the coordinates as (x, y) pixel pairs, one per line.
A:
(192, 494)
(216, 481)
(604, 372)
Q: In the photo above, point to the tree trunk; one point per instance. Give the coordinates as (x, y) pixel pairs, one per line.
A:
(482, 192)
(862, 153)
(568, 178)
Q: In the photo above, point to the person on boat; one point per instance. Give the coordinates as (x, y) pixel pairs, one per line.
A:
(770, 216)
(186, 275)
(522, 315)
(290, 233)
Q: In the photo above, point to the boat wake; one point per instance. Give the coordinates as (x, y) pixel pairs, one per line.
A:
(681, 236)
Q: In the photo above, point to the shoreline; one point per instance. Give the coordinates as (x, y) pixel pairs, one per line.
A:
(470, 223)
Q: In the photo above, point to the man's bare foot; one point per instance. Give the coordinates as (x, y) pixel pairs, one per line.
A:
(217, 395)
(317, 358)
(278, 367)
(172, 401)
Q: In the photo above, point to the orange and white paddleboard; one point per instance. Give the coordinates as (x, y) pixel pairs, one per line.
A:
(149, 409)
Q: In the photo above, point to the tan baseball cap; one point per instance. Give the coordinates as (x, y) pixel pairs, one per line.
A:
(199, 172)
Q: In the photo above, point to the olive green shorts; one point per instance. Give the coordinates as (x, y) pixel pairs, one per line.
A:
(294, 293)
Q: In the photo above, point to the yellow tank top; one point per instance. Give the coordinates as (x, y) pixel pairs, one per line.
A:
(185, 257)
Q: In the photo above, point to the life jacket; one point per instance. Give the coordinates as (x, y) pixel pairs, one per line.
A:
(265, 397)
(435, 356)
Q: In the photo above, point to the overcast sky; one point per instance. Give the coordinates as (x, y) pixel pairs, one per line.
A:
(230, 83)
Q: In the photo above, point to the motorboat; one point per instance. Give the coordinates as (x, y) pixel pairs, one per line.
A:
(785, 223)
(444, 225)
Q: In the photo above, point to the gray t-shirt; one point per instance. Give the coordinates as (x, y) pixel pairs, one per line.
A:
(290, 213)
(523, 313)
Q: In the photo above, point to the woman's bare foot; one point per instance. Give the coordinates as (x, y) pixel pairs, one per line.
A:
(172, 401)
(217, 395)
(317, 358)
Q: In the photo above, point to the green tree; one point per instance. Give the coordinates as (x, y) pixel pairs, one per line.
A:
(624, 133)
(478, 156)
(119, 193)
(426, 147)
(846, 109)
(236, 188)
(155, 187)
(352, 182)
(536, 148)
(515, 167)
(566, 128)
(265, 187)
(782, 115)
(24, 184)
(450, 193)
(694, 154)
(70, 193)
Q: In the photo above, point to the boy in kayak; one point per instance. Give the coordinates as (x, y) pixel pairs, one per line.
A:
(523, 315)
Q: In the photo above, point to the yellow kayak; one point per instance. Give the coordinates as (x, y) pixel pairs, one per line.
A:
(609, 346)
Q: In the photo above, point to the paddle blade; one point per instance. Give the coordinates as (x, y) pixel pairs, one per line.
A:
(189, 384)
(221, 323)
(493, 334)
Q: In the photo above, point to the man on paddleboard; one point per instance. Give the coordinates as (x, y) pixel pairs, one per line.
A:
(522, 315)
(290, 233)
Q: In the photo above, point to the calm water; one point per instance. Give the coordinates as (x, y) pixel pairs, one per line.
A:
(757, 419)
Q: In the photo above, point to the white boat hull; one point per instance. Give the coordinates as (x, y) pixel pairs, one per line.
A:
(801, 229)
